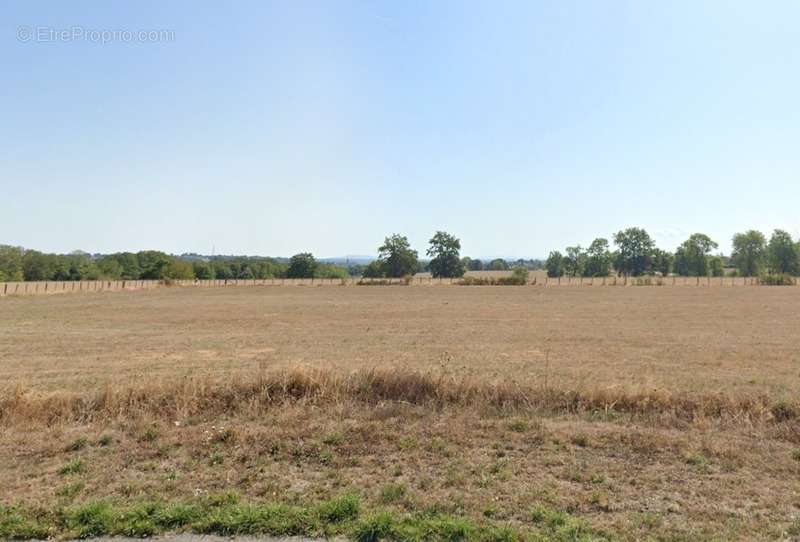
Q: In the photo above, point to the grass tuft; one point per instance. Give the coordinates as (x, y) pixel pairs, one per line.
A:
(77, 445)
(75, 466)
(340, 509)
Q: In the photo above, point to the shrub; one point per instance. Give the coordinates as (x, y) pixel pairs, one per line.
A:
(648, 281)
(520, 274)
(340, 509)
(376, 527)
(518, 278)
(777, 280)
(73, 467)
(477, 281)
(93, 519)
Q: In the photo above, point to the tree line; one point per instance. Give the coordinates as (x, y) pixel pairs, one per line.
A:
(19, 264)
(636, 254)
(395, 259)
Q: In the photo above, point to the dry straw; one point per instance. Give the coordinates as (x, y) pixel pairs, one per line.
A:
(257, 393)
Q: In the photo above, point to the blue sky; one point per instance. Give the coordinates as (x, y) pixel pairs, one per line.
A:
(279, 127)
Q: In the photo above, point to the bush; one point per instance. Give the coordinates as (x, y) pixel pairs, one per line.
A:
(777, 280)
(518, 278)
(648, 281)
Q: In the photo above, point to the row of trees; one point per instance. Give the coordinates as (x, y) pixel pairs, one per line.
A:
(396, 258)
(18, 264)
(636, 254)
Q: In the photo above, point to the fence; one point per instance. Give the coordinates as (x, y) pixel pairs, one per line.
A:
(60, 287)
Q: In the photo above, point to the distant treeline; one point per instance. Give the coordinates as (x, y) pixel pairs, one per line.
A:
(18, 264)
(636, 254)
(398, 260)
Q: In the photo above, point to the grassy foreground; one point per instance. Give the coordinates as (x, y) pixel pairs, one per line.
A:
(340, 516)
(401, 456)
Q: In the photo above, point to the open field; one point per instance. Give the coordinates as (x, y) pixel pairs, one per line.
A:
(485, 413)
(705, 340)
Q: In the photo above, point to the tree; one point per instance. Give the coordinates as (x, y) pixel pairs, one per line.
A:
(598, 259)
(202, 270)
(10, 263)
(555, 264)
(374, 270)
(330, 271)
(716, 266)
(444, 253)
(498, 264)
(152, 264)
(662, 261)
(301, 266)
(38, 266)
(397, 256)
(635, 251)
(109, 268)
(127, 261)
(749, 252)
(75, 266)
(520, 275)
(574, 261)
(782, 253)
(179, 269)
(475, 265)
(691, 258)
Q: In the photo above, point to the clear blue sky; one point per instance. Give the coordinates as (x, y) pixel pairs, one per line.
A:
(279, 127)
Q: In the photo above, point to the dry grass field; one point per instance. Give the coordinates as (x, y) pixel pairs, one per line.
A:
(452, 413)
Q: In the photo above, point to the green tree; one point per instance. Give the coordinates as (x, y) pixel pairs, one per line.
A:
(519, 275)
(202, 270)
(782, 253)
(749, 252)
(330, 271)
(75, 266)
(10, 263)
(598, 259)
(302, 266)
(635, 253)
(38, 266)
(716, 266)
(398, 257)
(109, 268)
(498, 264)
(445, 258)
(662, 261)
(179, 269)
(574, 261)
(376, 269)
(475, 265)
(691, 258)
(129, 263)
(555, 264)
(152, 264)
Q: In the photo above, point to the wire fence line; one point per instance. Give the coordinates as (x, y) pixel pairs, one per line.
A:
(90, 286)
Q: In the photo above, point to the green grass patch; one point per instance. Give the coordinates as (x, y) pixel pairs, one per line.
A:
(72, 467)
(225, 515)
